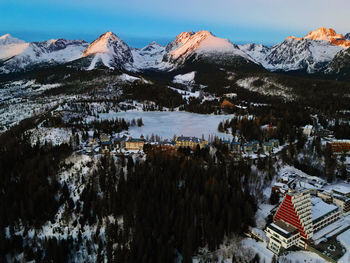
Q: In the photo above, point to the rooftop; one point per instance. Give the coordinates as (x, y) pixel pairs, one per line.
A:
(342, 188)
(136, 140)
(189, 139)
(320, 208)
(283, 228)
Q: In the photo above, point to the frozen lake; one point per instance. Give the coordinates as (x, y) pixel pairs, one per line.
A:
(169, 123)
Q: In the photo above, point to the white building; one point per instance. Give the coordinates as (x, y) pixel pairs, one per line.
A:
(281, 236)
(323, 214)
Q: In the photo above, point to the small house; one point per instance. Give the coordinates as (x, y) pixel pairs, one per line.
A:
(119, 143)
(235, 147)
(247, 147)
(255, 145)
(275, 143)
(267, 146)
(190, 142)
(135, 144)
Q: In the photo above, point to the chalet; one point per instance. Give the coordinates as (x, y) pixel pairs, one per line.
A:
(106, 143)
(255, 145)
(104, 138)
(106, 146)
(275, 143)
(235, 147)
(191, 142)
(267, 146)
(135, 144)
(119, 143)
(227, 143)
(247, 147)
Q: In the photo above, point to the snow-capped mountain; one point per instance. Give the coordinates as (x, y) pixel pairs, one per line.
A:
(7, 39)
(19, 56)
(326, 34)
(109, 51)
(203, 44)
(311, 53)
(149, 57)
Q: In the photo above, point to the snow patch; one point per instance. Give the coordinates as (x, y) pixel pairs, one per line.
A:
(187, 78)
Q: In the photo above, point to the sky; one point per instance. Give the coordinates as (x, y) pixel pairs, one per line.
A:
(139, 22)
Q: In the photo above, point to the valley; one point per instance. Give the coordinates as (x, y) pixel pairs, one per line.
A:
(176, 153)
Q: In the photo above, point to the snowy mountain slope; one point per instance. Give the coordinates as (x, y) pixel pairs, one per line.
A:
(12, 50)
(149, 57)
(20, 56)
(109, 51)
(340, 65)
(179, 41)
(347, 36)
(305, 54)
(256, 51)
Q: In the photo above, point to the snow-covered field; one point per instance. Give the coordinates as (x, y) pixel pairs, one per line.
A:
(168, 124)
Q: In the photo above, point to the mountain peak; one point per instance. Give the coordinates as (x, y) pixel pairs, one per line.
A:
(110, 51)
(204, 42)
(153, 43)
(8, 39)
(326, 34)
(5, 36)
(323, 33)
(103, 44)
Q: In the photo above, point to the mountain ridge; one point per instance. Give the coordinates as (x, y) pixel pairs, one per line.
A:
(312, 53)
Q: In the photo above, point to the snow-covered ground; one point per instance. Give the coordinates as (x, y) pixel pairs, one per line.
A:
(127, 78)
(266, 255)
(56, 136)
(301, 256)
(258, 248)
(344, 239)
(170, 123)
(262, 213)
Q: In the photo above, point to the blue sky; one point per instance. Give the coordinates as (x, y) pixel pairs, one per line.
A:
(139, 22)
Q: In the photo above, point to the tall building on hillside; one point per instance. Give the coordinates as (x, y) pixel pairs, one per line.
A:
(295, 210)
